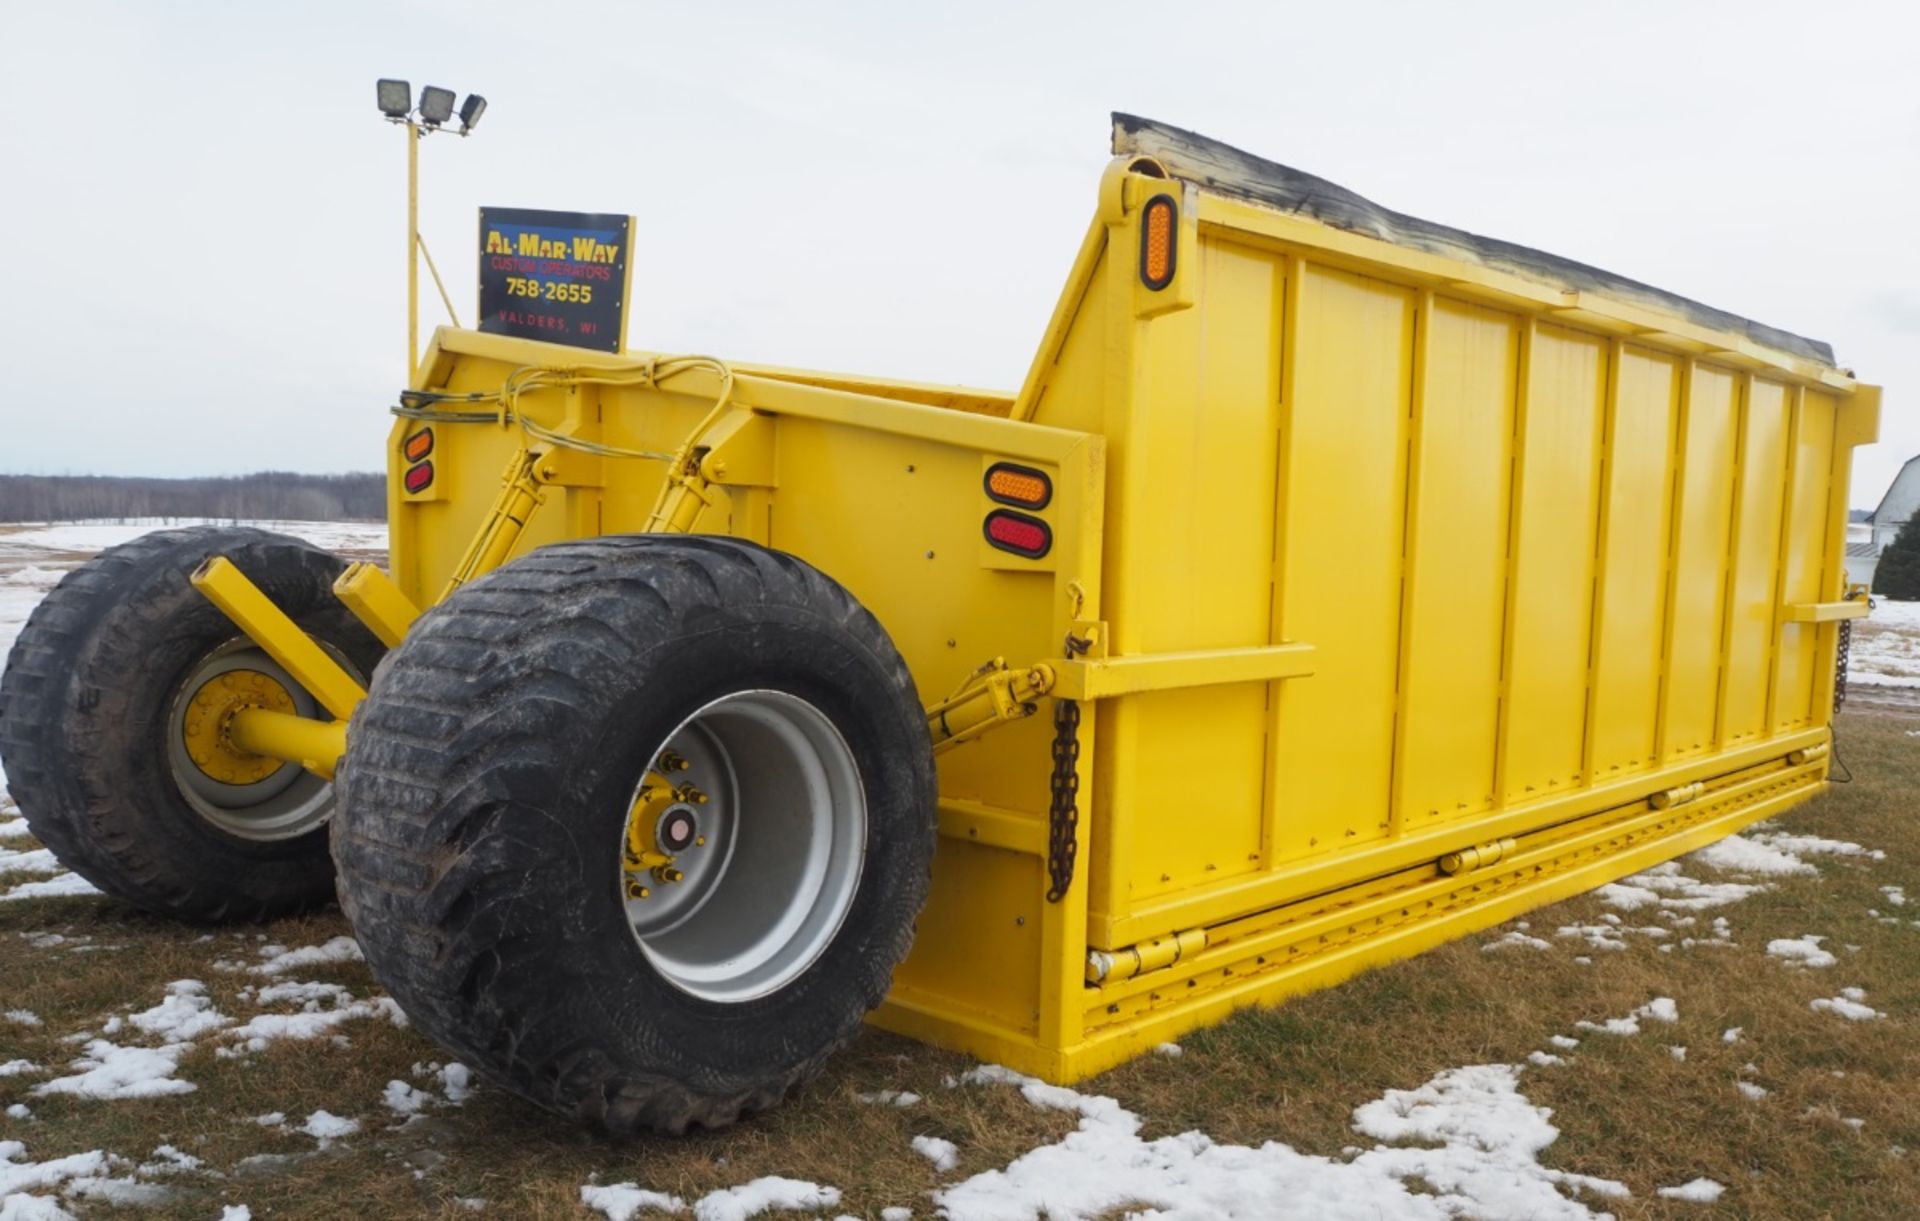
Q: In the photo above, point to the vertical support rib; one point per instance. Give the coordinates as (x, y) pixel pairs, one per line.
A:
(1414, 512)
(1595, 662)
(1743, 405)
(1516, 502)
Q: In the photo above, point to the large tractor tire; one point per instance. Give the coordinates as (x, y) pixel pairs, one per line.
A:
(109, 727)
(640, 826)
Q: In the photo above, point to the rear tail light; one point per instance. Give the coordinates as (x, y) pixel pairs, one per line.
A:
(1158, 246)
(419, 478)
(1018, 533)
(1010, 484)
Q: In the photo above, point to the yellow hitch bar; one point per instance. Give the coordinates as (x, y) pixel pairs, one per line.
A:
(315, 745)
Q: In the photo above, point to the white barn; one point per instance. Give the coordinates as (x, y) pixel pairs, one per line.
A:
(1867, 539)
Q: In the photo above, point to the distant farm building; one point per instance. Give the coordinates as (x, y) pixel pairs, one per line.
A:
(1867, 539)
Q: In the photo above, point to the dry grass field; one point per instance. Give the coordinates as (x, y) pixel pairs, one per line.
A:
(1744, 1020)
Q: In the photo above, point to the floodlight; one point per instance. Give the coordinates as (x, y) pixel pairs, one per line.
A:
(436, 105)
(396, 98)
(470, 112)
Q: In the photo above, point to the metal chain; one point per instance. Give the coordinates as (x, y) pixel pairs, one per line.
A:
(1840, 664)
(1063, 815)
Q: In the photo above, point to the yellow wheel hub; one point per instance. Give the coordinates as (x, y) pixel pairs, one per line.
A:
(209, 714)
(647, 864)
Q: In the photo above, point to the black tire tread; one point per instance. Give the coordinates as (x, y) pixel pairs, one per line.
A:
(428, 898)
(68, 773)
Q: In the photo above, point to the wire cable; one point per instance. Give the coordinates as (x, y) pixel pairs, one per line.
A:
(428, 405)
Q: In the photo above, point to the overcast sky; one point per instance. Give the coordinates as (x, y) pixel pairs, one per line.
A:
(204, 214)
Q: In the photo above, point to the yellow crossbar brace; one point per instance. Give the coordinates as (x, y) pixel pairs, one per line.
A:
(267, 625)
(1104, 677)
(376, 601)
(1824, 612)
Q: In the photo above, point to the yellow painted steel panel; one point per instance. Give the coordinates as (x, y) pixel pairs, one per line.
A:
(1457, 563)
(1557, 511)
(1636, 528)
(1704, 525)
(1753, 589)
(1805, 555)
(1202, 433)
(978, 948)
(1343, 516)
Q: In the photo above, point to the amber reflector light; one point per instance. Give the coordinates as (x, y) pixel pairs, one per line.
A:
(1018, 485)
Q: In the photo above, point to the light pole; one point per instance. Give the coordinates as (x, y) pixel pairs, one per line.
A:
(395, 99)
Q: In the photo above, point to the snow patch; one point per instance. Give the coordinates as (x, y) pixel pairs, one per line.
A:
(186, 1013)
(624, 1201)
(31, 860)
(764, 1195)
(1665, 887)
(1695, 1191)
(65, 885)
(1660, 1009)
(944, 1154)
(1516, 939)
(1738, 854)
(1487, 1135)
(280, 960)
(109, 1072)
(404, 1099)
(1850, 1004)
(889, 1098)
(324, 1126)
(1801, 951)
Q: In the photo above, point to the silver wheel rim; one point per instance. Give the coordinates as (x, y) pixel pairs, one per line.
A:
(290, 802)
(784, 831)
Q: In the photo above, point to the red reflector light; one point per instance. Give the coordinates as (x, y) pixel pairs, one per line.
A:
(418, 446)
(1158, 246)
(419, 478)
(1018, 533)
(1018, 485)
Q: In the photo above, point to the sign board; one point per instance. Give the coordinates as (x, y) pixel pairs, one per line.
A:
(557, 276)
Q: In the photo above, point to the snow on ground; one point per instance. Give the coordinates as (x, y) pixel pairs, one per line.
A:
(623, 1201)
(1801, 951)
(1697, 1191)
(1886, 646)
(1659, 1009)
(944, 1154)
(30, 541)
(1467, 1134)
(1850, 1004)
(280, 960)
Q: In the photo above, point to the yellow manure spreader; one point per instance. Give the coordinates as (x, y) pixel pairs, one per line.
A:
(1336, 583)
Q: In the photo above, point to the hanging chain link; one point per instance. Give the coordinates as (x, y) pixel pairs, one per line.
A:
(1063, 814)
(1840, 664)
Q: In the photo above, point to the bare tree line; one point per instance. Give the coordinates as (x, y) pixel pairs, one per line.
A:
(271, 495)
